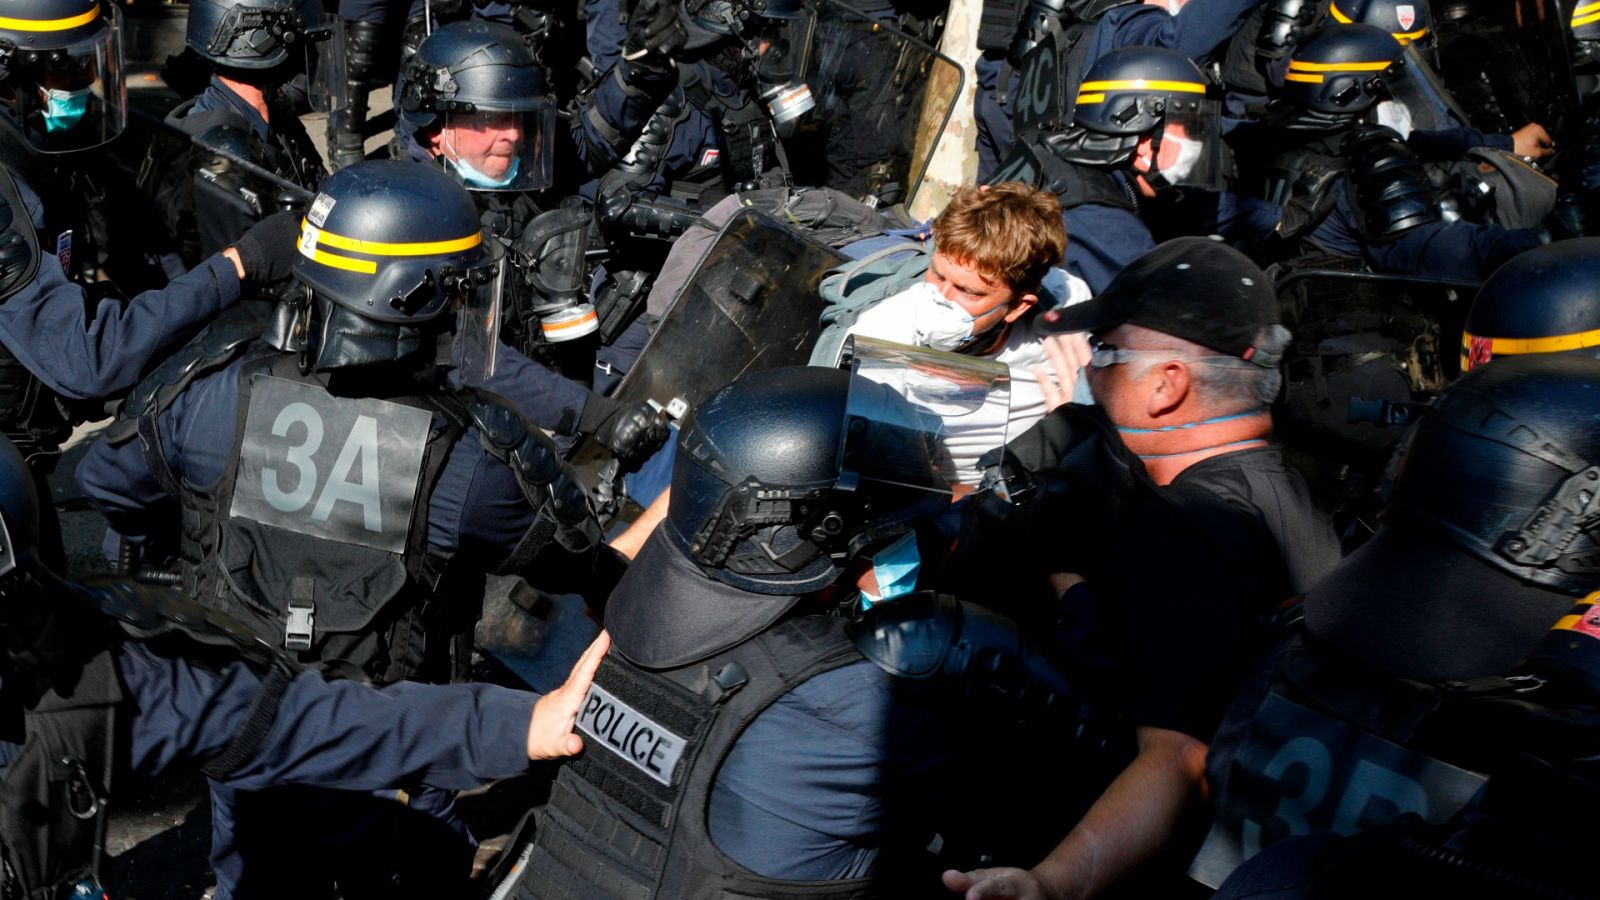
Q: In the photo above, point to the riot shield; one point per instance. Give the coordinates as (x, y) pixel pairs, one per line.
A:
(882, 101)
(1507, 63)
(750, 304)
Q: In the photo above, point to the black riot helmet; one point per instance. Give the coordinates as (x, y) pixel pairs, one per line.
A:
(390, 251)
(781, 478)
(1407, 21)
(254, 34)
(1137, 92)
(1506, 465)
(1585, 25)
(785, 475)
(480, 77)
(1490, 528)
(61, 61)
(1339, 71)
(1544, 300)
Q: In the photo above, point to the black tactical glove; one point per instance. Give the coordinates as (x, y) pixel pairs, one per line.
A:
(632, 431)
(655, 33)
(267, 251)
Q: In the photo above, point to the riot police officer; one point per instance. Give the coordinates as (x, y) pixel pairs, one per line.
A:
(670, 115)
(474, 101)
(1146, 122)
(780, 750)
(115, 684)
(67, 346)
(1082, 33)
(368, 495)
(1407, 693)
(255, 49)
(1352, 188)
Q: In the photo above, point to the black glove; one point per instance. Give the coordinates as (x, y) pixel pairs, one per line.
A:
(630, 431)
(267, 251)
(655, 33)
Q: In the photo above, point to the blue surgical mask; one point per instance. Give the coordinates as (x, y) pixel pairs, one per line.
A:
(896, 567)
(64, 109)
(475, 178)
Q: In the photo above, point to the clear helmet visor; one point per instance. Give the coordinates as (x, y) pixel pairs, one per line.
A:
(499, 149)
(892, 437)
(970, 395)
(1417, 99)
(74, 97)
(1190, 151)
(477, 295)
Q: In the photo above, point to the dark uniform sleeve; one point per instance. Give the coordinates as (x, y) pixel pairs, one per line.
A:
(1197, 30)
(1102, 241)
(1439, 250)
(86, 351)
(544, 396)
(1450, 144)
(334, 734)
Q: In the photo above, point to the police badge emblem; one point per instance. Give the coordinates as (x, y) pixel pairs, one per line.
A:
(1407, 15)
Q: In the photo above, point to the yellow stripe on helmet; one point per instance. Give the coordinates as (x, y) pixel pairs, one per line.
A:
(379, 248)
(1142, 84)
(1299, 76)
(1553, 344)
(1088, 99)
(10, 24)
(1338, 15)
(360, 266)
(1296, 65)
(1586, 18)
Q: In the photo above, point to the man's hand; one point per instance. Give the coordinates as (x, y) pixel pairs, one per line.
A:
(1532, 141)
(1068, 354)
(655, 32)
(631, 431)
(996, 884)
(265, 254)
(550, 734)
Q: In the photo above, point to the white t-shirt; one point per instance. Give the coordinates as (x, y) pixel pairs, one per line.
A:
(970, 436)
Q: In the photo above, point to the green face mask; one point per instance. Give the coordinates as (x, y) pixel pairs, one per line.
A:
(64, 109)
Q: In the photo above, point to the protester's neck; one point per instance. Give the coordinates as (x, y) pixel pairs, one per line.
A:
(1169, 448)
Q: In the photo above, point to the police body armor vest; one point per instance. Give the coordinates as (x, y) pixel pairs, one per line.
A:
(316, 534)
(54, 794)
(1330, 749)
(627, 819)
(1074, 184)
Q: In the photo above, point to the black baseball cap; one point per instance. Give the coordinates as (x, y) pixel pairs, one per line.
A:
(1194, 288)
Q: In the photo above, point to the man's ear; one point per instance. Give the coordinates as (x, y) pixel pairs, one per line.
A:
(1169, 388)
(1021, 305)
(1142, 153)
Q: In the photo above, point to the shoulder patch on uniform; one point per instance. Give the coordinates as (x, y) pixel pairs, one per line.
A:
(644, 744)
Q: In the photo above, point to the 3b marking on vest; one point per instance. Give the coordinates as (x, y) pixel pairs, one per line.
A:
(645, 744)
